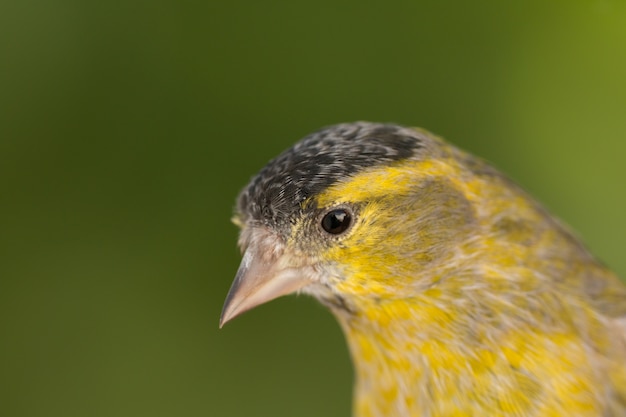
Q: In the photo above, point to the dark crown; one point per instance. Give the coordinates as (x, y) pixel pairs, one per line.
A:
(275, 194)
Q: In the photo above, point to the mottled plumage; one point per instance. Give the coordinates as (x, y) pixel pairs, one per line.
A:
(458, 294)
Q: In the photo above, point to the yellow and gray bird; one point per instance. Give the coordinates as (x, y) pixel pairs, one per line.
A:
(458, 294)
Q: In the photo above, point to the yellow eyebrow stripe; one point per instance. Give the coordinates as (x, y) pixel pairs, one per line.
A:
(393, 179)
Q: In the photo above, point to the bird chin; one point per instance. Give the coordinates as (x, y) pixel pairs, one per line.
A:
(324, 293)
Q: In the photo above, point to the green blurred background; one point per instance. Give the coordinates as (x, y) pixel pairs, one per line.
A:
(128, 127)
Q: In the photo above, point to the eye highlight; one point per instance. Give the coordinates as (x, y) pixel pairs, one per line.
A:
(336, 221)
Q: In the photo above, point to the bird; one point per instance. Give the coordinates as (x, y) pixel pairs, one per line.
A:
(457, 292)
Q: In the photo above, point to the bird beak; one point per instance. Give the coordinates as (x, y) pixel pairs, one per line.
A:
(263, 275)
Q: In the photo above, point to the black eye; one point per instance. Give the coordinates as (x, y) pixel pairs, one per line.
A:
(336, 221)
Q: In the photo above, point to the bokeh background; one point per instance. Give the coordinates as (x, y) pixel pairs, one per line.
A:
(128, 127)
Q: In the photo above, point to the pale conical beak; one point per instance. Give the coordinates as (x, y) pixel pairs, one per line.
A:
(260, 278)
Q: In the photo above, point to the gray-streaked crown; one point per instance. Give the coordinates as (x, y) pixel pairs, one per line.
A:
(275, 194)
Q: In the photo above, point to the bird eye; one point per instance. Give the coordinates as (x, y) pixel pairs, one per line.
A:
(336, 221)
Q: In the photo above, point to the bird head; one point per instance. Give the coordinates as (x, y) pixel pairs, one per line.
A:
(352, 214)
